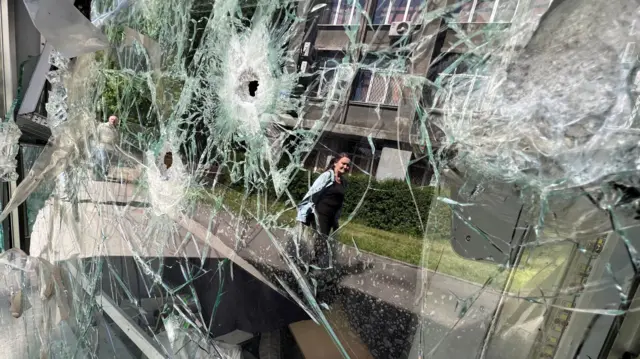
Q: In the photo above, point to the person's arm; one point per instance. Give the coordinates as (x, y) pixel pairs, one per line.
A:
(318, 185)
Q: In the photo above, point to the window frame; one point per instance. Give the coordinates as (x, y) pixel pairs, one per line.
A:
(320, 88)
(354, 16)
(390, 8)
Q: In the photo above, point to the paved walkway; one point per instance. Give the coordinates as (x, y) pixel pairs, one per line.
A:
(389, 282)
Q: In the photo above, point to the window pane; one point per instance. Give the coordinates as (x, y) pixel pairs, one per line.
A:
(380, 13)
(362, 86)
(357, 11)
(339, 13)
(414, 6)
(398, 10)
(326, 67)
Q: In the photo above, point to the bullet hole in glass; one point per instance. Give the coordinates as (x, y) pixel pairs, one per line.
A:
(253, 87)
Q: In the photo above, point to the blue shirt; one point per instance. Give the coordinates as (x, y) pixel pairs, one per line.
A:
(325, 180)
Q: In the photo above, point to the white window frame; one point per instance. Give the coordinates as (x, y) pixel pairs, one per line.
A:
(406, 11)
(338, 8)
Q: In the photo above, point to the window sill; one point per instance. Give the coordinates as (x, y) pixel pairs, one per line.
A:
(388, 27)
(373, 105)
(336, 27)
(477, 25)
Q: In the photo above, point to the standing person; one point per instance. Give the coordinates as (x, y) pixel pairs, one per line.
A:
(107, 138)
(321, 207)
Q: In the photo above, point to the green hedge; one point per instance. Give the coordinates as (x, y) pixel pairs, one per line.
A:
(388, 205)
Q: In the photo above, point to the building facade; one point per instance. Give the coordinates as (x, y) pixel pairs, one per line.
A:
(378, 103)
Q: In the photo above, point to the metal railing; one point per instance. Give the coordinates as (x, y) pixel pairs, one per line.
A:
(379, 87)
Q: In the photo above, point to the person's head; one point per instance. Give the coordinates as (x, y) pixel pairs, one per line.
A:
(113, 120)
(340, 164)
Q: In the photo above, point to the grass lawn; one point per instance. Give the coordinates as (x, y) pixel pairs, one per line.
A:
(439, 254)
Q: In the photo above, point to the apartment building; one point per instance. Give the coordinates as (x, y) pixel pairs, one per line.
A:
(377, 103)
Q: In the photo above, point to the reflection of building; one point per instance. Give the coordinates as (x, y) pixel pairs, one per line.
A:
(378, 102)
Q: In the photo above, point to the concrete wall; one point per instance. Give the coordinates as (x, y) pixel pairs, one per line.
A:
(393, 164)
(332, 38)
(389, 120)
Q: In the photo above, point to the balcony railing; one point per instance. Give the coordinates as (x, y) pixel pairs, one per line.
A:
(379, 87)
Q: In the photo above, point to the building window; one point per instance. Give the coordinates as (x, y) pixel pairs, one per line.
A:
(380, 82)
(420, 173)
(342, 12)
(388, 11)
(326, 77)
(329, 69)
(363, 160)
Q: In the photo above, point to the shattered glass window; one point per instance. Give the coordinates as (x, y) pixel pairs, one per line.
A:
(283, 179)
(329, 67)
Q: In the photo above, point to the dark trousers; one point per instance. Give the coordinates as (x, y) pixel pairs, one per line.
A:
(323, 225)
